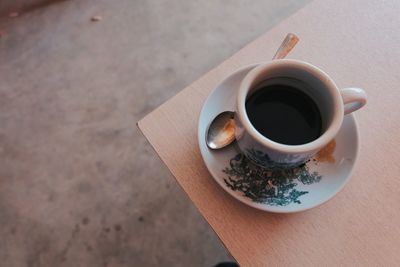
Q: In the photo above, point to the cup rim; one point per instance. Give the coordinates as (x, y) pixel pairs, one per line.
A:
(316, 144)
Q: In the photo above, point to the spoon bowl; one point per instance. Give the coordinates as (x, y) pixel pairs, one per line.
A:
(221, 131)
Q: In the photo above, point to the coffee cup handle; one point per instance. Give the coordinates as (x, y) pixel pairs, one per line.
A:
(353, 99)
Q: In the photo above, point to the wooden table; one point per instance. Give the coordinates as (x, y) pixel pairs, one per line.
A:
(357, 42)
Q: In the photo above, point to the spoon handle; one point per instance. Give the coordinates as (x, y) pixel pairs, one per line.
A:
(287, 45)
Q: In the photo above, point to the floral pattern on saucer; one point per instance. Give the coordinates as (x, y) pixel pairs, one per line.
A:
(275, 187)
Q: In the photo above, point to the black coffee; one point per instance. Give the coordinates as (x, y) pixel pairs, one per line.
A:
(284, 114)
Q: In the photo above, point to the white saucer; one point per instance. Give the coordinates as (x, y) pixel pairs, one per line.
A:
(323, 179)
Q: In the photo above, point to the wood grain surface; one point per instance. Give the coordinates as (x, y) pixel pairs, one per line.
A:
(357, 43)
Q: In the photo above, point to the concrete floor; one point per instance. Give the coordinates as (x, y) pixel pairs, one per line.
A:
(79, 184)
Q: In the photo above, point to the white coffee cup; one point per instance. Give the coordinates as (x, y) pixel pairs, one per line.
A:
(333, 103)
